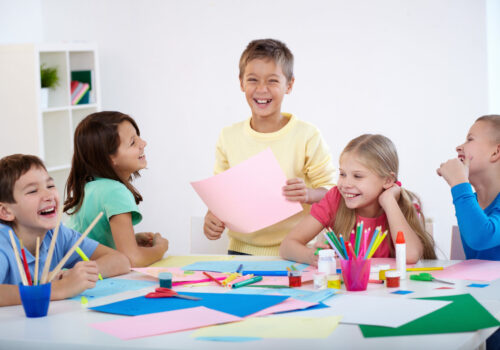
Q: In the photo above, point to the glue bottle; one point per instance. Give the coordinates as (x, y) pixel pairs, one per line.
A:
(326, 262)
(401, 255)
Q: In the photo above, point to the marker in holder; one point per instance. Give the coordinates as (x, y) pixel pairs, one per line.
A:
(294, 278)
(35, 299)
(356, 273)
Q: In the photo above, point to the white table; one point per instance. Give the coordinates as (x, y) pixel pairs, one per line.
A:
(66, 326)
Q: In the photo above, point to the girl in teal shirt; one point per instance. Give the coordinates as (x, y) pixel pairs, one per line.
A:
(108, 154)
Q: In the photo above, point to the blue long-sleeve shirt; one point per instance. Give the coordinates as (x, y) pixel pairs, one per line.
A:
(479, 229)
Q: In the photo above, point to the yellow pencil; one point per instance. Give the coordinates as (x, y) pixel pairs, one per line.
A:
(84, 257)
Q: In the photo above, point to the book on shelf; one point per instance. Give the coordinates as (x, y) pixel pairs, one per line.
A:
(78, 92)
(85, 76)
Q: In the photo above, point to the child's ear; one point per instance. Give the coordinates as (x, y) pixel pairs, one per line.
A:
(495, 157)
(290, 85)
(389, 180)
(241, 85)
(5, 213)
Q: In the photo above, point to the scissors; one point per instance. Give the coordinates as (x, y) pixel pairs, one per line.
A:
(162, 292)
(424, 276)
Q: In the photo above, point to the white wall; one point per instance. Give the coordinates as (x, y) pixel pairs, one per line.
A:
(415, 71)
(20, 21)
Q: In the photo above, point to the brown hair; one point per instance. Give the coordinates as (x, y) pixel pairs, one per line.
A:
(96, 139)
(11, 169)
(269, 49)
(379, 154)
(494, 121)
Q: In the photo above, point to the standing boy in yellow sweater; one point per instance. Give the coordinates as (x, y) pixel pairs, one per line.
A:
(266, 75)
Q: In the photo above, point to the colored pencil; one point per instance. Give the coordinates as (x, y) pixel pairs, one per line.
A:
(334, 247)
(18, 259)
(247, 282)
(72, 249)
(37, 253)
(351, 250)
(212, 278)
(374, 238)
(341, 239)
(48, 260)
(377, 244)
(25, 263)
(85, 258)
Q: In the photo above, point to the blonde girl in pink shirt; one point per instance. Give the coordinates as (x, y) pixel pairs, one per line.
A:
(367, 191)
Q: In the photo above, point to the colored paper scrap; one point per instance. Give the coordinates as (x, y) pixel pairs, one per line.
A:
(240, 305)
(182, 260)
(402, 292)
(292, 327)
(163, 322)
(478, 285)
(365, 309)
(231, 266)
(245, 200)
(463, 314)
(471, 270)
(110, 286)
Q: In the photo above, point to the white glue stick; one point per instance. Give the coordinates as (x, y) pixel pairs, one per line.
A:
(401, 255)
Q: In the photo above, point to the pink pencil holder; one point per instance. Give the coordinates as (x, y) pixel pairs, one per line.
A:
(356, 273)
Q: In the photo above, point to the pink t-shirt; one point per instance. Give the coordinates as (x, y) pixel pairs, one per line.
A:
(325, 210)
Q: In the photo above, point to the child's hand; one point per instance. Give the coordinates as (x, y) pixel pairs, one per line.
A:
(454, 171)
(74, 281)
(296, 191)
(320, 244)
(144, 239)
(158, 240)
(391, 193)
(213, 227)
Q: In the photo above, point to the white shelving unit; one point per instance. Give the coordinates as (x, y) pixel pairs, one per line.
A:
(48, 132)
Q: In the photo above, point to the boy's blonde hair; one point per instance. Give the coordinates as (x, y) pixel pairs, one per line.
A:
(494, 121)
(268, 49)
(379, 154)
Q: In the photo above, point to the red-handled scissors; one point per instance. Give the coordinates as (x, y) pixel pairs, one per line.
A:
(162, 292)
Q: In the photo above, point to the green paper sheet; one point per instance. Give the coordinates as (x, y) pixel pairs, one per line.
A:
(464, 314)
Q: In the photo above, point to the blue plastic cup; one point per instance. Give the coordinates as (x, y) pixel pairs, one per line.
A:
(35, 299)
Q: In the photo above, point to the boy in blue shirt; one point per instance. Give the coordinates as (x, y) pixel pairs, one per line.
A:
(478, 164)
(29, 204)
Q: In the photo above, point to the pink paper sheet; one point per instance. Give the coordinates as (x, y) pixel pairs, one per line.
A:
(248, 196)
(163, 322)
(471, 270)
(178, 275)
(287, 305)
(307, 275)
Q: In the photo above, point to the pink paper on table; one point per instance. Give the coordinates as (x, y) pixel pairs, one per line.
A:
(471, 270)
(248, 196)
(163, 322)
(178, 275)
(289, 304)
(307, 275)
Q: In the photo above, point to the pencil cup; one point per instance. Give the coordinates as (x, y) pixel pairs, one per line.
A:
(356, 273)
(35, 299)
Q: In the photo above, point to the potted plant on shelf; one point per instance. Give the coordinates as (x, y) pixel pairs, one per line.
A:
(49, 80)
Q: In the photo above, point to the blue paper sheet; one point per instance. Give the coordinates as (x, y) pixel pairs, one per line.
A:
(240, 305)
(111, 286)
(232, 265)
(304, 295)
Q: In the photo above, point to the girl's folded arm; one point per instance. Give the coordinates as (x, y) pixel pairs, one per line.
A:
(124, 237)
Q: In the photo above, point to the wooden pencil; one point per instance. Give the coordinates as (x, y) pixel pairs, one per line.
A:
(77, 244)
(37, 253)
(18, 259)
(48, 260)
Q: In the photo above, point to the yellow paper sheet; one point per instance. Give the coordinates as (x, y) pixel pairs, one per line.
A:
(180, 261)
(274, 327)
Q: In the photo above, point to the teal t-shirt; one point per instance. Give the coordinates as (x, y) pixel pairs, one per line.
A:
(112, 198)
